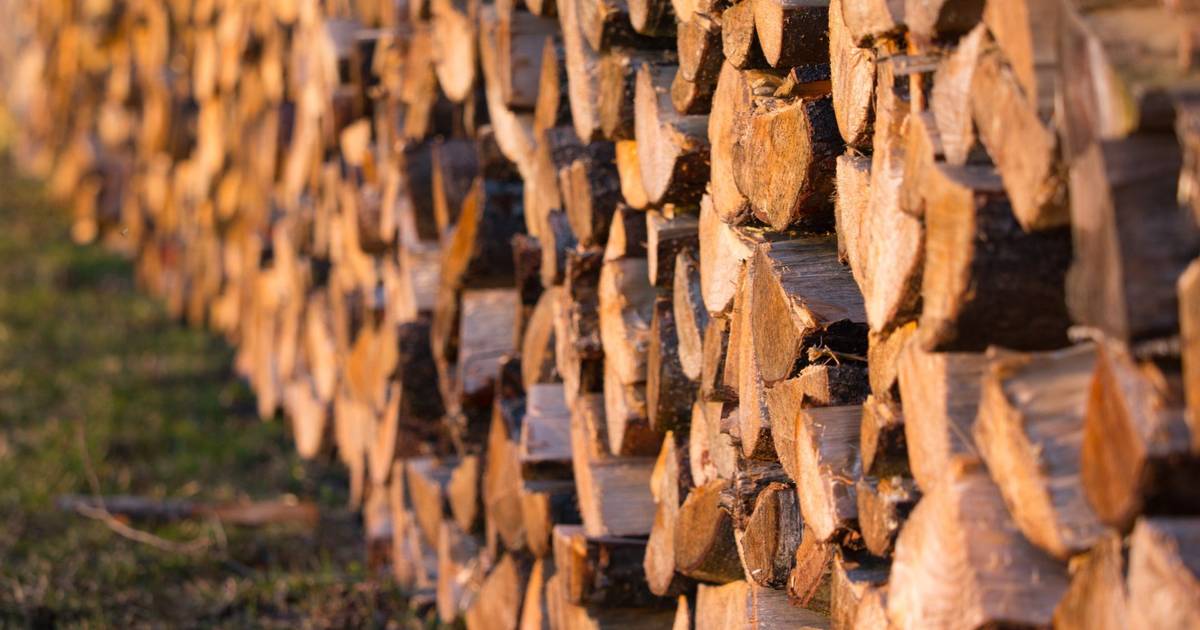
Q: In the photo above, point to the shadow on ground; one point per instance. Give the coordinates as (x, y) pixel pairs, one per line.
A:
(88, 362)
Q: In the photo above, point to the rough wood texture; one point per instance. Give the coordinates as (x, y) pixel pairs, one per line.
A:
(744, 605)
(960, 543)
(1030, 433)
(672, 148)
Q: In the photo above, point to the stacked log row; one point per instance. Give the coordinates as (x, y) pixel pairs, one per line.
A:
(632, 313)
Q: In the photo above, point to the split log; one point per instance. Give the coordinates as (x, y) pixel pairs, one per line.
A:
(975, 289)
(867, 22)
(567, 615)
(545, 442)
(1027, 34)
(501, 483)
(463, 492)
(544, 504)
(582, 68)
(591, 191)
(704, 543)
(498, 603)
(883, 360)
(872, 610)
(739, 40)
(427, 478)
(1098, 596)
(800, 298)
(414, 565)
(1136, 445)
(852, 73)
(1111, 87)
(618, 86)
(460, 572)
(629, 167)
(771, 536)
(479, 252)
(960, 543)
(883, 449)
(690, 316)
(942, 389)
(602, 571)
(730, 103)
(1164, 576)
(1023, 147)
(744, 605)
(854, 574)
(785, 158)
(535, 610)
(669, 392)
(672, 148)
(454, 40)
(666, 237)
(670, 484)
(1030, 433)
(809, 582)
(884, 504)
(653, 18)
(712, 369)
(792, 33)
(614, 498)
(951, 96)
(701, 56)
(521, 37)
(537, 346)
(827, 464)
(1131, 239)
(884, 245)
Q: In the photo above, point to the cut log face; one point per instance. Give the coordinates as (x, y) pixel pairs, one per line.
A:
(498, 604)
(626, 308)
(602, 571)
(1098, 596)
(730, 104)
(950, 98)
(691, 318)
(1024, 149)
(1130, 238)
(744, 605)
(983, 273)
(546, 428)
(704, 544)
(672, 148)
(583, 68)
(537, 346)
(827, 463)
(653, 18)
(884, 245)
(614, 498)
(665, 238)
(670, 483)
(738, 37)
(618, 84)
(792, 32)
(808, 584)
(852, 71)
(1164, 573)
(884, 451)
(629, 167)
(942, 389)
(454, 51)
(883, 506)
(1030, 433)
(872, 20)
(521, 36)
(1136, 444)
(854, 574)
(785, 157)
(669, 392)
(723, 250)
(771, 536)
(961, 544)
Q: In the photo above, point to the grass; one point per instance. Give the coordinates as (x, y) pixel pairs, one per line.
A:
(86, 362)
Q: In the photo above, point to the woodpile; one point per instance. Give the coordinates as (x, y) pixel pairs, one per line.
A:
(632, 313)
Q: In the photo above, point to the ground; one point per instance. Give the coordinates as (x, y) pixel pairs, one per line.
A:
(96, 380)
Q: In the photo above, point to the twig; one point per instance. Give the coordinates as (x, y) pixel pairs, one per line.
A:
(100, 513)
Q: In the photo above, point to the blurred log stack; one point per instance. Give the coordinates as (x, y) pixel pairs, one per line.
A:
(632, 313)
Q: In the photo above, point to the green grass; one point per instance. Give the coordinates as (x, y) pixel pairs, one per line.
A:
(88, 362)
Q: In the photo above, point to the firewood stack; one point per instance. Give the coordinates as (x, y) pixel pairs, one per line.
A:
(632, 313)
